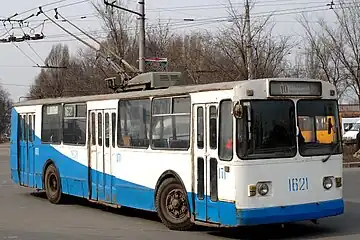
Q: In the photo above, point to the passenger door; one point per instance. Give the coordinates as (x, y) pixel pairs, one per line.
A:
(26, 145)
(206, 159)
(102, 143)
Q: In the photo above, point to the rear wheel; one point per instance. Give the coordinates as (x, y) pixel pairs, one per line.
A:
(172, 205)
(53, 185)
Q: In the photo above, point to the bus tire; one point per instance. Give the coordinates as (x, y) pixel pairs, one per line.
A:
(53, 184)
(172, 205)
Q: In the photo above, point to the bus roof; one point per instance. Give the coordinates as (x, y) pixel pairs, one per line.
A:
(173, 90)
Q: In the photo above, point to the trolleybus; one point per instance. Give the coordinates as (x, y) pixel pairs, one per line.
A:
(224, 154)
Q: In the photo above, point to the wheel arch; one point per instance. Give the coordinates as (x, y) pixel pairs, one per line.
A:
(168, 174)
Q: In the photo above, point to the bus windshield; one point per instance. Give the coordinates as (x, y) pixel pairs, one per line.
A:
(269, 128)
(319, 127)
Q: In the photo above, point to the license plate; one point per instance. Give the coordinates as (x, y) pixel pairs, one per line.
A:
(298, 184)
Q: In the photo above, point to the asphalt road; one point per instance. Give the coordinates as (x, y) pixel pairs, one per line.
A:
(30, 216)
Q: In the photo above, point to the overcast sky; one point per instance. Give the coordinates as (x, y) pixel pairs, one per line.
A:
(17, 73)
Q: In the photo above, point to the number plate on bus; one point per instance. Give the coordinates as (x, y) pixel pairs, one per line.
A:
(298, 184)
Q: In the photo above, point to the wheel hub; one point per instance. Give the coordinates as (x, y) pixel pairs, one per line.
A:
(53, 183)
(176, 204)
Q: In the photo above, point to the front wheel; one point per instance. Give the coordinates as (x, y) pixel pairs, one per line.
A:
(53, 185)
(172, 205)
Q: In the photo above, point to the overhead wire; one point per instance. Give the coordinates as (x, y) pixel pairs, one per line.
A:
(220, 6)
(50, 4)
(36, 53)
(205, 21)
(254, 15)
(183, 23)
(27, 56)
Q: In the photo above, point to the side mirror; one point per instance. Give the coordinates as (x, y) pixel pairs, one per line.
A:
(329, 125)
(238, 110)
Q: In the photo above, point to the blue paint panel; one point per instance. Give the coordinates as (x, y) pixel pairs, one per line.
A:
(107, 186)
(31, 160)
(13, 146)
(200, 208)
(292, 213)
(74, 179)
(207, 210)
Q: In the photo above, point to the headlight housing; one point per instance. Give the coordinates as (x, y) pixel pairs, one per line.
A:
(327, 183)
(263, 189)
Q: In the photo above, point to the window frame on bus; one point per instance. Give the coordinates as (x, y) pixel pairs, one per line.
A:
(254, 157)
(60, 109)
(118, 123)
(220, 143)
(171, 113)
(76, 118)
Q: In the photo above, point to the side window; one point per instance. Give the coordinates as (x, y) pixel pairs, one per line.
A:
(107, 130)
(21, 127)
(74, 129)
(30, 129)
(200, 127)
(100, 128)
(171, 123)
(113, 129)
(34, 135)
(133, 123)
(51, 124)
(93, 135)
(213, 127)
(226, 131)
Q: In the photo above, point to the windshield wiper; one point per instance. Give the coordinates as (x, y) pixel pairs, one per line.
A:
(332, 153)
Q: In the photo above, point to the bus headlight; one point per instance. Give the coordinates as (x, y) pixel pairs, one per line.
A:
(263, 189)
(327, 183)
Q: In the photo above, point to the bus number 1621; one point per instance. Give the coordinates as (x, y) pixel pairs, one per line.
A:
(298, 184)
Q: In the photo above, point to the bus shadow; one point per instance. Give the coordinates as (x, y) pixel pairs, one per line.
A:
(338, 227)
(123, 211)
(346, 224)
(290, 231)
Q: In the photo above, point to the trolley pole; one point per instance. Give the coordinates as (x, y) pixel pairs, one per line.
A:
(142, 37)
(248, 44)
(141, 15)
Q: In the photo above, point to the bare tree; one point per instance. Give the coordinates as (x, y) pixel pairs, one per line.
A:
(202, 56)
(121, 37)
(80, 77)
(269, 55)
(320, 61)
(340, 46)
(5, 111)
(51, 82)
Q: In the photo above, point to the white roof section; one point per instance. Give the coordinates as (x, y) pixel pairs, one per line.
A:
(172, 90)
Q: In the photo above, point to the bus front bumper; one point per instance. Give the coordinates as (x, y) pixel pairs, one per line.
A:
(292, 213)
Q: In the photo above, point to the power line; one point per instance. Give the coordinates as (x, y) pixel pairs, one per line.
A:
(198, 22)
(254, 15)
(27, 56)
(41, 59)
(42, 6)
(45, 5)
(217, 6)
(34, 9)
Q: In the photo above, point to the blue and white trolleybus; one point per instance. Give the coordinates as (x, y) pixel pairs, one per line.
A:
(225, 154)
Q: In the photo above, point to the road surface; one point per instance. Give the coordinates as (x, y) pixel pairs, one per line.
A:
(30, 216)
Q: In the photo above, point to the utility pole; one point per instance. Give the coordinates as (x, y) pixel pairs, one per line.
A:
(142, 37)
(141, 15)
(248, 44)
